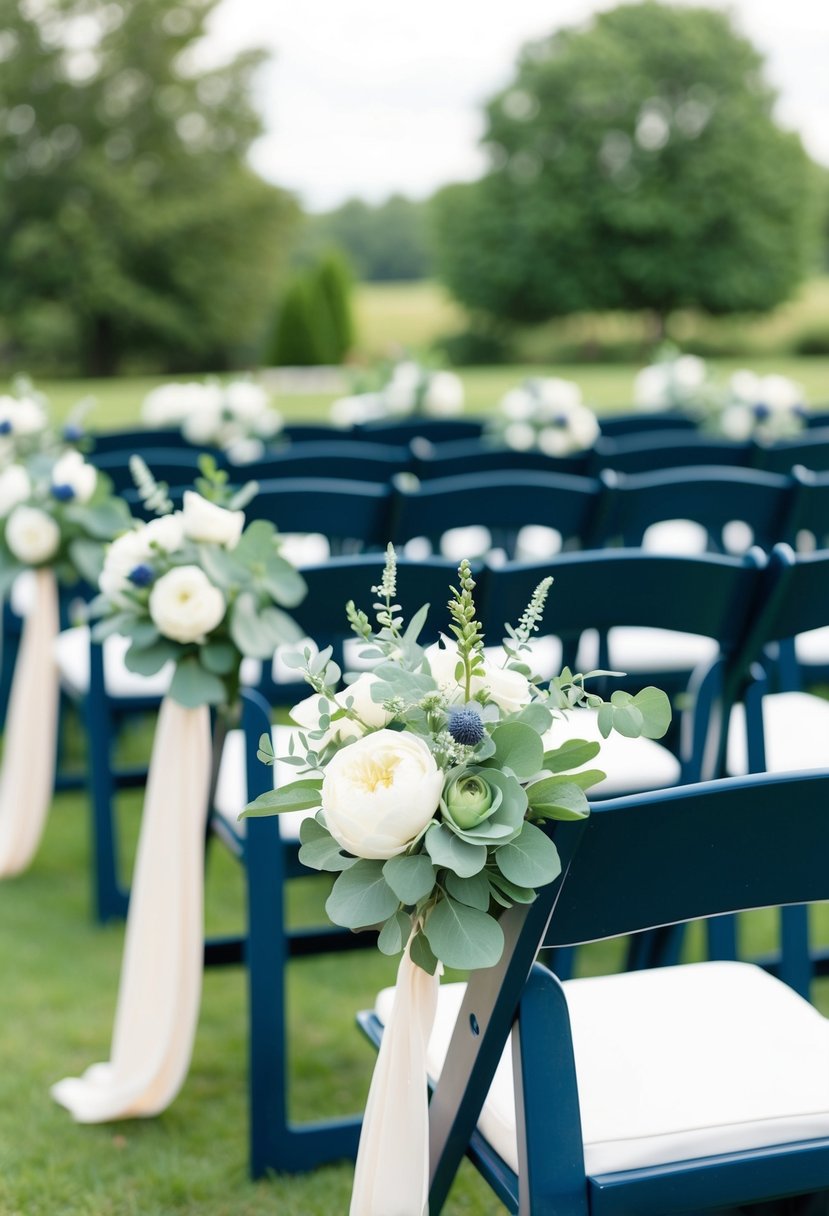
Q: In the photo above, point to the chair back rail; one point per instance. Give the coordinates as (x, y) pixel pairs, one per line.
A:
(332, 457)
(640, 422)
(649, 452)
(811, 449)
(175, 466)
(434, 430)
(481, 456)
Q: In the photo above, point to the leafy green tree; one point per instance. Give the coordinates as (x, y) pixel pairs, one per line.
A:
(314, 323)
(130, 223)
(635, 164)
(387, 242)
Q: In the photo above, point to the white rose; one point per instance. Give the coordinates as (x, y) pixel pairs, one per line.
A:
(349, 411)
(32, 535)
(737, 422)
(166, 532)
(688, 372)
(185, 605)
(558, 394)
(585, 427)
(746, 386)
(202, 426)
(204, 521)
(443, 660)
(244, 451)
(650, 388)
(170, 404)
(15, 487)
(23, 415)
(380, 792)
(780, 393)
(121, 558)
(508, 689)
(520, 436)
(245, 399)
(555, 440)
(444, 396)
(71, 470)
(518, 405)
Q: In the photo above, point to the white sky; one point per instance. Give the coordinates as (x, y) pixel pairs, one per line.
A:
(369, 97)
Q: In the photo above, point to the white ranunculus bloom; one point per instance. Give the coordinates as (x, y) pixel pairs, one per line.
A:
(688, 372)
(444, 395)
(584, 426)
(737, 422)
(650, 388)
(380, 792)
(555, 440)
(185, 605)
(166, 532)
(170, 404)
(205, 521)
(518, 405)
(508, 689)
(780, 393)
(32, 535)
(746, 386)
(15, 487)
(122, 556)
(557, 394)
(520, 436)
(307, 713)
(245, 399)
(24, 415)
(73, 471)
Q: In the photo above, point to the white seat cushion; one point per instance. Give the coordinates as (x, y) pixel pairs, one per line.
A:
(72, 657)
(673, 1064)
(630, 764)
(231, 787)
(795, 729)
(675, 537)
(813, 646)
(638, 648)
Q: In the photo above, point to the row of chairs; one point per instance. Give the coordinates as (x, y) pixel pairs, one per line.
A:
(359, 459)
(739, 604)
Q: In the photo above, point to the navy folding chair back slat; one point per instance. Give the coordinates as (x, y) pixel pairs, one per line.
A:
(712, 496)
(641, 422)
(332, 457)
(811, 449)
(136, 440)
(646, 453)
(175, 466)
(501, 502)
(434, 430)
(481, 456)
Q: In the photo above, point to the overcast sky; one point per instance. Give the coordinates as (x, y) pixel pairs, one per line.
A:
(369, 97)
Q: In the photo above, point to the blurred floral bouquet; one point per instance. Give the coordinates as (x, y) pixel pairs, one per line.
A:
(676, 382)
(236, 417)
(545, 413)
(761, 407)
(197, 588)
(56, 510)
(408, 388)
(436, 769)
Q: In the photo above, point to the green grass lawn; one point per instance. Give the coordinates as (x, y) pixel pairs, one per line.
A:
(608, 387)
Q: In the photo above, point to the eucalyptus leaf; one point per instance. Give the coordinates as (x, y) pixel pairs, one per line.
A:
(655, 707)
(512, 892)
(447, 850)
(519, 748)
(604, 719)
(463, 937)
(421, 954)
(395, 933)
(193, 686)
(572, 753)
(474, 891)
(87, 557)
(319, 850)
(411, 878)
(219, 657)
(298, 795)
(628, 721)
(149, 660)
(536, 715)
(361, 896)
(531, 860)
(553, 799)
(283, 582)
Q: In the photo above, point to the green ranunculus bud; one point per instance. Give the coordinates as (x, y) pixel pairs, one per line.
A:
(468, 800)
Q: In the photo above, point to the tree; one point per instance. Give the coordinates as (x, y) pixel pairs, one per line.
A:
(130, 223)
(334, 285)
(314, 323)
(636, 164)
(387, 242)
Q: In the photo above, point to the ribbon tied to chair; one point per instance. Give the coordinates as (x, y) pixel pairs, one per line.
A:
(391, 1177)
(27, 775)
(161, 972)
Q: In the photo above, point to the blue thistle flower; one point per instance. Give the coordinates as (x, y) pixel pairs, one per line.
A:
(5, 427)
(72, 432)
(63, 493)
(142, 575)
(761, 411)
(465, 726)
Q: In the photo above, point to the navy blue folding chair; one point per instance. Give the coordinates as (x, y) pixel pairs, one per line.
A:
(481, 456)
(332, 457)
(435, 430)
(648, 453)
(811, 449)
(698, 1088)
(136, 440)
(500, 505)
(641, 422)
(175, 466)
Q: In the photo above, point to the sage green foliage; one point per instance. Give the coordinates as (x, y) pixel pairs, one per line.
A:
(483, 849)
(257, 583)
(635, 164)
(314, 321)
(130, 222)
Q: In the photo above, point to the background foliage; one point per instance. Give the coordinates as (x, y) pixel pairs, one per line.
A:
(130, 223)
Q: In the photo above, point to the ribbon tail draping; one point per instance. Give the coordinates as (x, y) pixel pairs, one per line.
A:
(392, 1172)
(161, 973)
(27, 776)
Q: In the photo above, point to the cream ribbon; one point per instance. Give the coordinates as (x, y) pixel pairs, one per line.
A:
(391, 1177)
(27, 776)
(161, 972)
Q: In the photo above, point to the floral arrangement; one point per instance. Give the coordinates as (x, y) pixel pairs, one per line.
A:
(430, 774)
(236, 417)
(408, 388)
(761, 407)
(56, 510)
(545, 413)
(676, 382)
(197, 588)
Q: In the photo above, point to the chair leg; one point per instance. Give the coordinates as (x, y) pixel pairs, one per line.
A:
(109, 898)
